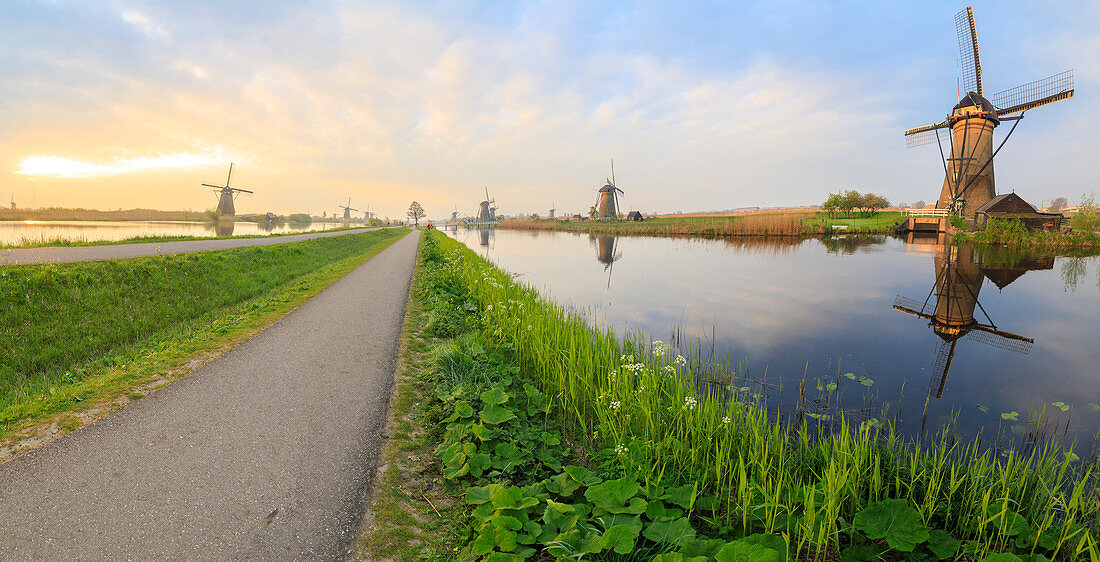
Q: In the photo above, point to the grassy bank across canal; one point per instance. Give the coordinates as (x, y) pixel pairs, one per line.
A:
(757, 224)
(565, 441)
(1002, 232)
(80, 336)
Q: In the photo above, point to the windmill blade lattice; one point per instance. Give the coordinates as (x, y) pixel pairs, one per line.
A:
(1034, 94)
(970, 62)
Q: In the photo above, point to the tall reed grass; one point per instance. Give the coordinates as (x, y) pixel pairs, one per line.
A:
(634, 406)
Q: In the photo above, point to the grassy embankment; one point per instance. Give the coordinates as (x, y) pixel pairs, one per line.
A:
(680, 473)
(62, 214)
(1007, 232)
(62, 242)
(758, 224)
(80, 336)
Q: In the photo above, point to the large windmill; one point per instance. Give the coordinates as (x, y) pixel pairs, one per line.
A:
(226, 195)
(486, 212)
(968, 182)
(347, 209)
(958, 281)
(607, 200)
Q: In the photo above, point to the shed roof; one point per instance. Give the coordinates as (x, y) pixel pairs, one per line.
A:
(1007, 203)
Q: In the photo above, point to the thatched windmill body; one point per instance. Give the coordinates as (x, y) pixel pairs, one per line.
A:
(226, 194)
(486, 211)
(968, 171)
(607, 200)
(347, 209)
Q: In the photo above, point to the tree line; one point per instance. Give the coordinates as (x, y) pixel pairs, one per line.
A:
(853, 201)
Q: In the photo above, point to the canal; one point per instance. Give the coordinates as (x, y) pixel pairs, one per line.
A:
(921, 333)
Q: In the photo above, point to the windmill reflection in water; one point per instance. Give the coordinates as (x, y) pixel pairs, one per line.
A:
(960, 274)
(606, 254)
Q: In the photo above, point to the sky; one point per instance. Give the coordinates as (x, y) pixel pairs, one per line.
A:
(703, 106)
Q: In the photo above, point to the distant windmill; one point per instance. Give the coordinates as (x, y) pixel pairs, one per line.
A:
(968, 182)
(486, 213)
(227, 194)
(552, 209)
(13, 200)
(607, 201)
(347, 209)
(951, 316)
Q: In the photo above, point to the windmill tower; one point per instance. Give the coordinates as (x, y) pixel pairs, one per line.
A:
(13, 200)
(607, 201)
(347, 209)
(968, 172)
(485, 212)
(226, 195)
(552, 209)
(958, 281)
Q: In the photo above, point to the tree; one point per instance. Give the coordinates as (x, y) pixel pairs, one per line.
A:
(832, 204)
(851, 200)
(534, 216)
(1057, 204)
(874, 202)
(919, 204)
(592, 211)
(416, 212)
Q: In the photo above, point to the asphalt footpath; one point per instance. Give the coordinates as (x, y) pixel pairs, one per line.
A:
(265, 453)
(22, 256)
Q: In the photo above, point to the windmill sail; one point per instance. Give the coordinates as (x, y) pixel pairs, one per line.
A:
(969, 61)
(1034, 94)
(928, 134)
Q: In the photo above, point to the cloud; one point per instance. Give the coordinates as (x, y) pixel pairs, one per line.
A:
(60, 167)
(143, 23)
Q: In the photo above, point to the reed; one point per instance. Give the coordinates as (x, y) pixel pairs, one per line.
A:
(1011, 232)
(766, 224)
(630, 404)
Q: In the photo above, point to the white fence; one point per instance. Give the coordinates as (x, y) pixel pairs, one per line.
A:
(928, 212)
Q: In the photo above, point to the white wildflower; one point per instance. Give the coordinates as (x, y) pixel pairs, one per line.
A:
(690, 403)
(680, 360)
(615, 405)
(619, 449)
(726, 420)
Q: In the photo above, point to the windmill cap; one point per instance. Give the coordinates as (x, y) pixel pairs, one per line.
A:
(974, 100)
(608, 187)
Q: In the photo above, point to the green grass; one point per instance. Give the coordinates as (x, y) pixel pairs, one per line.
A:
(822, 486)
(1009, 232)
(880, 223)
(72, 242)
(78, 332)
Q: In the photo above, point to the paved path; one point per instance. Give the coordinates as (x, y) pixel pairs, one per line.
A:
(264, 453)
(118, 251)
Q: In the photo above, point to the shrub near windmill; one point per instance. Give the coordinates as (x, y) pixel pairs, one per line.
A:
(968, 182)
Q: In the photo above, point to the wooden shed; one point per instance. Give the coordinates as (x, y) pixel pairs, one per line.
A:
(1012, 206)
(635, 216)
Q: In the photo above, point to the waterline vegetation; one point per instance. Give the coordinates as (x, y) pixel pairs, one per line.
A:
(663, 467)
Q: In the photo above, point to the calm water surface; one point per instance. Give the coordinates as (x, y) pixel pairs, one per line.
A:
(936, 333)
(17, 232)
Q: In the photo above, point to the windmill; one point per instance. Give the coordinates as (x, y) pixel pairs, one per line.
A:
(347, 209)
(226, 195)
(607, 201)
(13, 200)
(968, 172)
(486, 213)
(958, 281)
(552, 209)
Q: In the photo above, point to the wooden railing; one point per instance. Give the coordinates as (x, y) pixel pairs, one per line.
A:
(928, 212)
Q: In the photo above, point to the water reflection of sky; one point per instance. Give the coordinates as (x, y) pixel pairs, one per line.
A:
(17, 232)
(826, 308)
